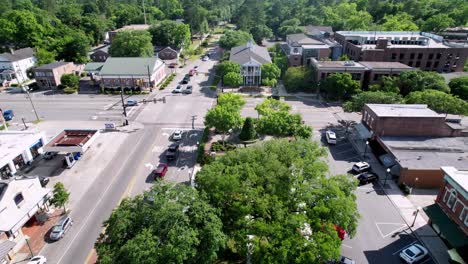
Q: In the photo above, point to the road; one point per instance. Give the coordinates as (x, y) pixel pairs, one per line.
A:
(129, 173)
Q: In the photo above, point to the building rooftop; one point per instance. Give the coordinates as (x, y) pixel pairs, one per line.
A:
(52, 65)
(13, 143)
(460, 177)
(300, 39)
(429, 152)
(402, 110)
(17, 55)
(338, 64)
(384, 65)
(250, 52)
(115, 66)
(396, 39)
(72, 138)
(318, 30)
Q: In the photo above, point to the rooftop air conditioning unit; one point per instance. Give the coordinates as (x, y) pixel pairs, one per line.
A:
(349, 63)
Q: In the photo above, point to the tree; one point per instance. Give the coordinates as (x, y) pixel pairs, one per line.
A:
(231, 100)
(73, 46)
(459, 87)
(438, 101)
(260, 32)
(272, 105)
(344, 57)
(270, 74)
(27, 29)
(248, 130)
(196, 15)
(70, 80)
(399, 22)
(233, 79)
(297, 79)
(437, 23)
(233, 38)
(358, 101)
(170, 33)
(7, 31)
(227, 66)
(132, 43)
(340, 85)
(172, 8)
(387, 84)
(276, 197)
(60, 196)
(44, 56)
(291, 26)
(171, 223)
(223, 119)
(410, 81)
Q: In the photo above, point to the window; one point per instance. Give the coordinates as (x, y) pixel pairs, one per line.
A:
(428, 64)
(376, 77)
(418, 63)
(463, 214)
(394, 56)
(411, 56)
(410, 63)
(420, 55)
(431, 56)
(295, 50)
(452, 197)
(402, 56)
(436, 64)
(18, 199)
(438, 55)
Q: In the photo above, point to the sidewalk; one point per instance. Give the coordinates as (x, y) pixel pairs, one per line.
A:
(424, 233)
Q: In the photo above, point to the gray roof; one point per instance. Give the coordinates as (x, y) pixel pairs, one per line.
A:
(300, 39)
(93, 66)
(129, 66)
(402, 110)
(20, 54)
(5, 247)
(315, 30)
(52, 65)
(429, 152)
(250, 52)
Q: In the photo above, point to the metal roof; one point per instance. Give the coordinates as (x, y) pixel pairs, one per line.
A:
(5, 247)
(17, 55)
(115, 66)
(250, 52)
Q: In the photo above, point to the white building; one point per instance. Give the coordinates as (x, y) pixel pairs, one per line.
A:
(14, 65)
(251, 57)
(17, 149)
(20, 200)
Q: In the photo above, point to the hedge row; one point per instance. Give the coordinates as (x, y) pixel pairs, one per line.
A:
(167, 81)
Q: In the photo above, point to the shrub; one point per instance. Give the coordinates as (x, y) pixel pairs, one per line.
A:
(69, 90)
(219, 146)
(202, 157)
(358, 101)
(70, 80)
(206, 134)
(248, 130)
(405, 188)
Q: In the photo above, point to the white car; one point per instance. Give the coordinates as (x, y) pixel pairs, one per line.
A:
(413, 253)
(361, 167)
(331, 137)
(177, 135)
(178, 89)
(38, 260)
(205, 58)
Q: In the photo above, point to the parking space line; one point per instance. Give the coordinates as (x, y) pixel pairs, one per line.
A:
(429, 258)
(344, 245)
(396, 252)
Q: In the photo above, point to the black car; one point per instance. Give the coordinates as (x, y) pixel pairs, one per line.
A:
(172, 152)
(44, 181)
(367, 177)
(186, 79)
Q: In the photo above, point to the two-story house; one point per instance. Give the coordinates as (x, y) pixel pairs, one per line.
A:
(48, 76)
(449, 214)
(251, 57)
(14, 66)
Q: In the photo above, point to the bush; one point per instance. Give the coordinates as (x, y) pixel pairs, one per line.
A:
(248, 130)
(206, 134)
(298, 79)
(83, 74)
(69, 90)
(204, 44)
(358, 101)
(459, 87)
(219, 146)
(202, 157)
(405, 188)
(167, 81)
(70, 80)
(61, 86)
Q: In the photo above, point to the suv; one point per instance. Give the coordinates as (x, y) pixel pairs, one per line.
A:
(367, 177)
(172, 152)
(188, 89)
(361, 167)
(177, 135)
(8, 115)
(58, 231)
(186, 79)
(331, 137)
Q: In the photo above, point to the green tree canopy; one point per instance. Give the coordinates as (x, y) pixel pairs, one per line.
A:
(417, 80)
(223, 119)
(227, 66)
(358, 101)
(437, 23)
(248, 130)
(233, 38)
(387, 84)
(279, 124)
(171, 223)
(70, 80)
(132, 43)
(232, 100)
(459, 87)
(290, 26)
(233, 79)
(340, 86)
(272, 105)
(298, 79)
(170, 33)
(270, 74)
(438, 101)
(60, 196)
(276, 197)
(399, 22)
(74, 46)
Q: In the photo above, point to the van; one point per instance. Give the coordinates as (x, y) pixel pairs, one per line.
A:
(331, 137)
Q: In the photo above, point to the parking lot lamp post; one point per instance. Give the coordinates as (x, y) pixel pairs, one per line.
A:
(386, 176)
(416, 215)
(365, 150)
(123, 105)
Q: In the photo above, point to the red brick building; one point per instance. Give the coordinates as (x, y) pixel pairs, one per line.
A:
(415, 49)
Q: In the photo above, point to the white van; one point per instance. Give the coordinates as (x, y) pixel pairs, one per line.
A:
(331, 137)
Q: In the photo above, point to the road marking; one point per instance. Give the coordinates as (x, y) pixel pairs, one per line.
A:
(426, 260)
(344, 245)
(400, 226)
(396, 252)
(149, 166)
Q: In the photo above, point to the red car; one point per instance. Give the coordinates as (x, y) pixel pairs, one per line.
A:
(192, 72)
(161, 170)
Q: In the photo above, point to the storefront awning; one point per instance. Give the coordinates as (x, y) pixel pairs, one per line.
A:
(446, 227)
(5, 247)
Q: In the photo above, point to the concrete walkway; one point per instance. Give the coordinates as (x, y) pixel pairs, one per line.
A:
(416, 223)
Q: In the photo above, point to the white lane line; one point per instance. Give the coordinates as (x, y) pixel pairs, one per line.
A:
(396, 252)
(399, 227)
(344, 245)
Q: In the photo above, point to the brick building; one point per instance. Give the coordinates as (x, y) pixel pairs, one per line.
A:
(48, 76)
(415, 49)
(449, 214)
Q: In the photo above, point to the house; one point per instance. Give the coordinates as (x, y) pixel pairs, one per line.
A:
(167, 52)
(14, 66)
(113, 33)
(448, 216)
(48, 76)
(416, 49)
(366, 72)
(100, 55)
(21, 199)
(17, 149)
(414, 141)
(131, 72)
(251, 57)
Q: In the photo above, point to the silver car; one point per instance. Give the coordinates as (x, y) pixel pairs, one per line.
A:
(59, 230)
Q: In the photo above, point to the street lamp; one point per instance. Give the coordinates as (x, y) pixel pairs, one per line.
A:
(386, 176)
(416, 215)
(30, 100)
(365, 150)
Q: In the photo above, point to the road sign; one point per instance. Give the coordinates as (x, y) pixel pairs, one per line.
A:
(109, 126)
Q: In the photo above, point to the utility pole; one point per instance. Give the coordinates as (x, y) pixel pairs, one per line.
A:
(144, 11)
(25, 89)
(123, 103)
(149, 79)
(3, 121)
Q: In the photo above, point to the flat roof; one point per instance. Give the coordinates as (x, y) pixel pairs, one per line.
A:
(430, 40)
(385, 65)
(71, 138)
(428, 152)
(338, 64)
(13, 143)
(402, 110)
(460, 177)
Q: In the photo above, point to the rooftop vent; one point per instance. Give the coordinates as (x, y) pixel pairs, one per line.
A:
(349, 63)
(454, 120)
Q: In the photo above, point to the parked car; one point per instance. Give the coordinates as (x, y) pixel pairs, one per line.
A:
(8, 114)
(188, 89)
(173, 65)
(367, 177)
(177, 135)
(186, 79)
(346, 260)
(192, 72)
(50, 155)
(361, 167)
(413, 253)
(44, 181)
(59, 230)
(331, 137)
(172, 152)
(132, 102)
(161, 170)
(178, 89)
(205, 58)
(38, 260)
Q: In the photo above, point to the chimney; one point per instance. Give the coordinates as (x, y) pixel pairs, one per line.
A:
(382, 44)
